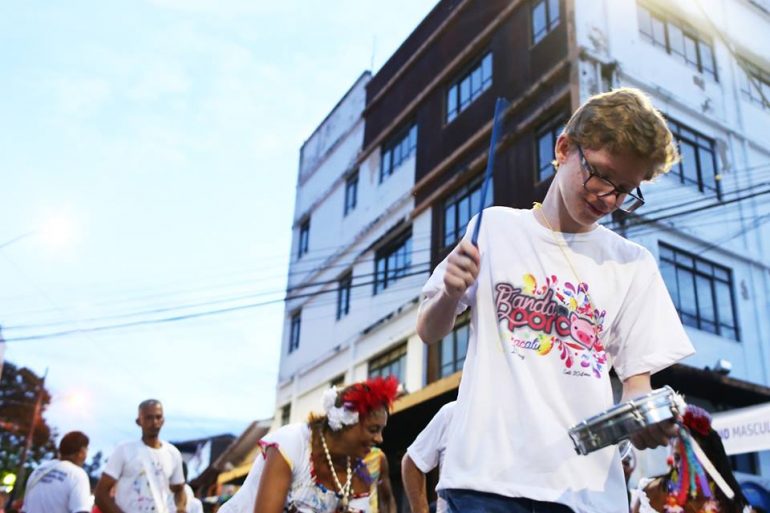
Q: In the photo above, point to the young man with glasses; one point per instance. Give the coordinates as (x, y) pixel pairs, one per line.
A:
(556, 301)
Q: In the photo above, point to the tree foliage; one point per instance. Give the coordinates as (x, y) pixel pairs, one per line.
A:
(94, 468)
(18, 393)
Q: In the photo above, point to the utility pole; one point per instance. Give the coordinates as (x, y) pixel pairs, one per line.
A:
(2, 351)
(20, 473)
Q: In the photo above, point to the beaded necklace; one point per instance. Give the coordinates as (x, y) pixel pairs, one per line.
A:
(342, 491)
(538, 207)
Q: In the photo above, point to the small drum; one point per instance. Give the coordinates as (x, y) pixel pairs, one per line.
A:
(622, 420)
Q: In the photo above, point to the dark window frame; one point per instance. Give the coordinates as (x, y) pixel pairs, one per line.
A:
(456, 203)
(295, 328)
(660, 31)
(384, 273)
(303, 245)
(285, 414)
(351, 193)
(480, 74)
(397, 150)
(383, 364)
(683, 267)
(551, 21)
(693, 143)
(755, 84)
(344, 288)
(552, 129)
(747, 462)
(456, 361)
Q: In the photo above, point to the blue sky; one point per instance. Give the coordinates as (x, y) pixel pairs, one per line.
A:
(160, 140)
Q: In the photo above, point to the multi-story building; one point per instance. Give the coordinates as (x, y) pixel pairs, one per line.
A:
(389, 181)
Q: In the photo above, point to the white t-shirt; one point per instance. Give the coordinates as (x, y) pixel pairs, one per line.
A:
(535, 367)
(58, 486)
(133, 464)
(305, 495)
(429, 447)
(194, 505)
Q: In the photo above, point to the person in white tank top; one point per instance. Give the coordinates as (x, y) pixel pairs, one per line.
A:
(329, 464)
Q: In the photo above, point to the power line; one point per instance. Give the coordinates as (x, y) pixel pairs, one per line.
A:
(635, 225)
(178, 318)
(639, 221)
(201, 304)
(345, 265)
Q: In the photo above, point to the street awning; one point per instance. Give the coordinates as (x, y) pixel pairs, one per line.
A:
(745, 429)
(234, 476)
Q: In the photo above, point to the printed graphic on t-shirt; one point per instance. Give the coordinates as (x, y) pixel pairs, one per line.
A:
(552, 318)
(53, 475)
(142, 500)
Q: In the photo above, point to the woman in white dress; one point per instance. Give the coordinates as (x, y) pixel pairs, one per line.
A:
(687, 487)
(328, 464)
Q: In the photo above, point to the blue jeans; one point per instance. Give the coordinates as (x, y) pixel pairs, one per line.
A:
(471, 501)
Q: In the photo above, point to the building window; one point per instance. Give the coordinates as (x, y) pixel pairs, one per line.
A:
(392, 261)
(676, 39)
(460, 207)
(304, 237)
(338, 382)
(343, 295)
(698, 163)
(545, 18)
(286, 414)
(452, 349)
(702, 291)
(755, 84)
(351, 192)
(546, 143)
(468, 87)
(294, 328)
(391, 363)
(747, 463)
(395, 152)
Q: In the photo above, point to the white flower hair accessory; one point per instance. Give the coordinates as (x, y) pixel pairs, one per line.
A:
(337, 416)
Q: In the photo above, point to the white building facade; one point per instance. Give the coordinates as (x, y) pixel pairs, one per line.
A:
(705, 64)
(356, 218)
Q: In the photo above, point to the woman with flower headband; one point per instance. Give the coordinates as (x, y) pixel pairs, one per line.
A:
(691, 486)
(328, 464)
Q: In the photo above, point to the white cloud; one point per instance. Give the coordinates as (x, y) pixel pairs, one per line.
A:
(159, 80)
(78, 96)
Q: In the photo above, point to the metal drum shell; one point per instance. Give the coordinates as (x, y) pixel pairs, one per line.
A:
(622, 420)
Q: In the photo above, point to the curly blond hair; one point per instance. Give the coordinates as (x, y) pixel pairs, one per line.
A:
(624, 120)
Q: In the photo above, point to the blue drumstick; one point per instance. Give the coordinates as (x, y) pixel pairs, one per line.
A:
(500, 104)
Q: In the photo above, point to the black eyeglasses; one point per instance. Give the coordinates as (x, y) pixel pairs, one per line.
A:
(603, 187)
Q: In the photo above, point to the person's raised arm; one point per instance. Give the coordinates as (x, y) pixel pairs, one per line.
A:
(274, 483)
(437, 315)
(414, 485)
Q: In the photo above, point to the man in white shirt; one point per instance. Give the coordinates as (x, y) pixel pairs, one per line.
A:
(557, 300)
(425, 453)
(144, 472)
(61, 486)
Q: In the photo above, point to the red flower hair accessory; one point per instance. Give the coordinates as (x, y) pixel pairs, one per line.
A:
(697, 419)
(370, 395)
